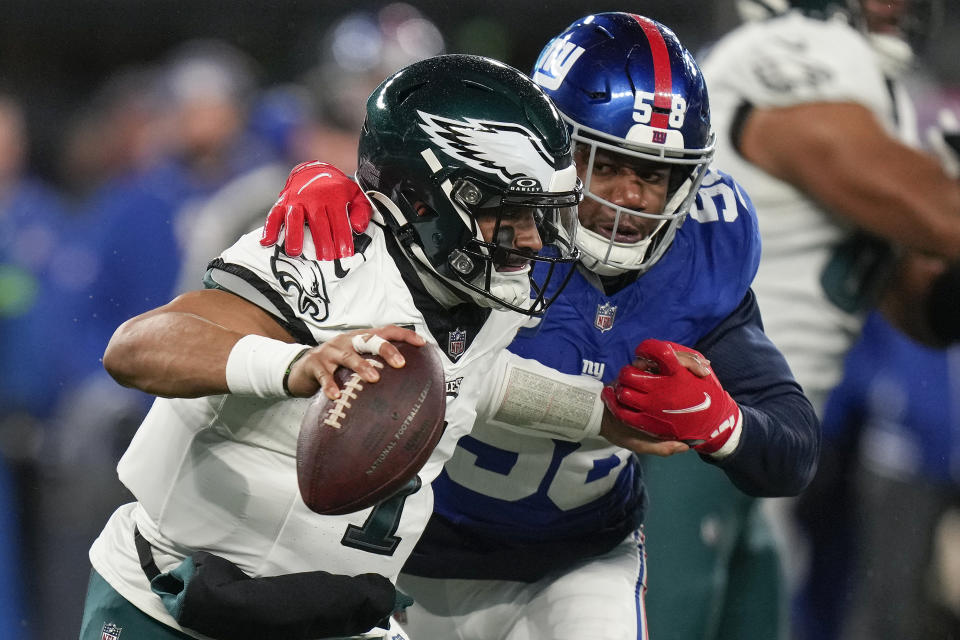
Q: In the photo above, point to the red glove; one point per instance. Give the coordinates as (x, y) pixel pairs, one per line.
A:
(670, 402)
(332, 205)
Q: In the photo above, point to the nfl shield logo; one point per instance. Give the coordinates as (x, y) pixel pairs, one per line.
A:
(456, 343)
(110, 631)
(604, 318)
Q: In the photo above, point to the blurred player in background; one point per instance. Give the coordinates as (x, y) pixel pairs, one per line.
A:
(813, 119)
(353, 56)
(896, 416)
(536, 537)
(212, 466)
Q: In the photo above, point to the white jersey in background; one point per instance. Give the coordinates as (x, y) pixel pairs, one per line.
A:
(785, 61)
(218, 473)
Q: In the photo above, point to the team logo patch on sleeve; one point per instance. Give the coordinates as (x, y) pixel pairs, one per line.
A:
(604, 318)
(110, 631)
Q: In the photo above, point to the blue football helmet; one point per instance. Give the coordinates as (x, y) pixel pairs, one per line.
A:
(626, 85)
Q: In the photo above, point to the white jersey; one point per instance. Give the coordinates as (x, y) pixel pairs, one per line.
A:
(218, 473)
(781, 62)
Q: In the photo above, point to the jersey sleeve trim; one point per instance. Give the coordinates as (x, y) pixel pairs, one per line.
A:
(243, 282)
(738, 123)
(780, 442)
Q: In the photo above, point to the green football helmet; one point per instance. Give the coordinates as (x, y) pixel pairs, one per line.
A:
(458, 145)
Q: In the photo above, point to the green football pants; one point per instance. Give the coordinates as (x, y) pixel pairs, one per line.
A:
(106, 613)
(713, 569)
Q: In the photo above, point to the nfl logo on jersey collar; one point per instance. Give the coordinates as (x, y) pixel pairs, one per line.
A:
(604, 318)
(456, 343)
(110, 631)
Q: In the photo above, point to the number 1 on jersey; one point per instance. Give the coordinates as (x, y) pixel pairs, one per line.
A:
(376, 534)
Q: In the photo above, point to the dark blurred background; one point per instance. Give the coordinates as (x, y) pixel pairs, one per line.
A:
(56, 53)
(138, 138)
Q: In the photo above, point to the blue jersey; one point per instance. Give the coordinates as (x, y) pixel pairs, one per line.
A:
(903, 398)
(505, 491)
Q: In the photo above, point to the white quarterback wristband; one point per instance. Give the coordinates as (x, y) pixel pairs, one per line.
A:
(259, 366)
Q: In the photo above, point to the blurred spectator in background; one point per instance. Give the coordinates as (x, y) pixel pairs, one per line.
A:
(119, 130)
(190, 138)
(320, 117)
(135, 217)
(282, 116)
(810, 113)
(32, 217)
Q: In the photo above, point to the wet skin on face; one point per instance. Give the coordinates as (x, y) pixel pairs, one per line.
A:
(627, 182)
(518, 231)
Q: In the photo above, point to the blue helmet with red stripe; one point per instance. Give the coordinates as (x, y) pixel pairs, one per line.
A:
(625, 83)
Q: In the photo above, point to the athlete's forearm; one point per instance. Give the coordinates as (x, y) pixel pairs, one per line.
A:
(531, 398)
(780, 440)
(181, 349)
(840, 155)
(171, 354)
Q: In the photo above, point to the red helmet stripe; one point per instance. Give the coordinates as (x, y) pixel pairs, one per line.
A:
(663, 79)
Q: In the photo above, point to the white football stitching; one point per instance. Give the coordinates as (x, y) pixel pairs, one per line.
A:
(349, 391)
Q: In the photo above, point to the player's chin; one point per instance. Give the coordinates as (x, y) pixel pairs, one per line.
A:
(625, 236)
(514, 269)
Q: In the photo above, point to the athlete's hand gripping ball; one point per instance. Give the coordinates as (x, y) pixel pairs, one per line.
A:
(665, 398)
(330, 203)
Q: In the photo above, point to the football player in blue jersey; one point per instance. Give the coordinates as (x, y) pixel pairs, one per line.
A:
(541, 537)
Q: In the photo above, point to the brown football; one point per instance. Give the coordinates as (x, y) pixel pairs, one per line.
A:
(365, 446)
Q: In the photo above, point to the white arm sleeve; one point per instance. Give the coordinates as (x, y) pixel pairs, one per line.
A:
(530, 398)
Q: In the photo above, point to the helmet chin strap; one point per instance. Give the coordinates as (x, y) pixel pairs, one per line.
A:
(513, 289)
(606, 259)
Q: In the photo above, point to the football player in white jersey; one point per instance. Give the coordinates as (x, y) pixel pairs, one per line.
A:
(536, 538)
(471, 171)
(813, 117)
